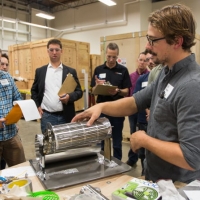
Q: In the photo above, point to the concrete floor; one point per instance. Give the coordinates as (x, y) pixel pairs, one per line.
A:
(28, 130)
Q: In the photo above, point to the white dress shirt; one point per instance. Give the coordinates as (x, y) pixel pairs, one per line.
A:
(53, 83)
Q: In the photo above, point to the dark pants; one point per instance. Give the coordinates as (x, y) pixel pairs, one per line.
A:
(3, 164)
(141, 151)
(12, 151)
(117, 124)
(132, 157)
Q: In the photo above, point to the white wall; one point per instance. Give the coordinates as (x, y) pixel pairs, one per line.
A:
(39, 33)
(86, 23)
(97, 20)
(18, 32)
(134, 12)
(193, 4)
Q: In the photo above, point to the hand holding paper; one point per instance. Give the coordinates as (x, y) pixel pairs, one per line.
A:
(26, 108)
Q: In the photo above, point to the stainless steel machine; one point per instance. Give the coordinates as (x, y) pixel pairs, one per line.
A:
(70, 153)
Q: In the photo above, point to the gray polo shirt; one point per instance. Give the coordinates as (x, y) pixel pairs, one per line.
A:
(154, 73)
(174, 100)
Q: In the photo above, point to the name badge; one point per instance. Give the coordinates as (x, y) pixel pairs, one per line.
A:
(168, 90)
(4, 82)
(102, 75)
(144, 84)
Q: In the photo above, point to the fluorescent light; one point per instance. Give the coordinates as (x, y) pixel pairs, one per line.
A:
(31, 24)
(8, 20)
(108, 2)
(45, 16)
(37, 25)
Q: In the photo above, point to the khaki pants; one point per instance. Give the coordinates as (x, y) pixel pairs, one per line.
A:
(12, 151)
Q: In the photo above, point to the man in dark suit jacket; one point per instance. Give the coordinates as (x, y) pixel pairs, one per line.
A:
(47, 83)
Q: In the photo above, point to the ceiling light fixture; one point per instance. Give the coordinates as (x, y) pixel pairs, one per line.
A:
(45, 16)
(108, 2)
(7, 20)
(37, 25)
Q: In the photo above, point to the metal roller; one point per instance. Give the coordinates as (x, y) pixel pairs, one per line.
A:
(72, 139)
(70, 154)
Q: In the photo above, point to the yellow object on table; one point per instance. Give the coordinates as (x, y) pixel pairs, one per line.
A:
(25, 91)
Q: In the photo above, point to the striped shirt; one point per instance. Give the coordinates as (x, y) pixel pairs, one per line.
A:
(8, 94)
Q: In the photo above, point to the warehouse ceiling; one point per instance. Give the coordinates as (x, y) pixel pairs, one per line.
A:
(47, 5)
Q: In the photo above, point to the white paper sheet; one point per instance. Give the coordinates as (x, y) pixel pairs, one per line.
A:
(192, 194)
(29, 109)
(18, 172)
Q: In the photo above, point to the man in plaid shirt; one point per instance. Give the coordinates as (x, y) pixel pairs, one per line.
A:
(11, 148)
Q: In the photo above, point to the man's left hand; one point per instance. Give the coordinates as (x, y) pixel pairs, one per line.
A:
(64, 99)
(113, 91)
(2, 122)
(137, 140)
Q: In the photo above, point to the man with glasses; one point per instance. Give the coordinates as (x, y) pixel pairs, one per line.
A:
(111, 71)
(172, 138)
(141, 69)
(48, 81)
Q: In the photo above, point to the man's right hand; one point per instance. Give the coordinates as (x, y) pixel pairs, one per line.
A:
(40, 111)
(99, 81)
(91, 114)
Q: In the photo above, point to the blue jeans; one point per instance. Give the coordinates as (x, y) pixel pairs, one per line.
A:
(52, 118)
(132, 157)
(117, 124)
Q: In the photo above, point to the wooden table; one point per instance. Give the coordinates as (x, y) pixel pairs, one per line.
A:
(107, 185)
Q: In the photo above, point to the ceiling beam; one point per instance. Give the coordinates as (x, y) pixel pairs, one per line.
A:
(74, 4)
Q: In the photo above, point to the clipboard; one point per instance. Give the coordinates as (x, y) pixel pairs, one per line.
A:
(14, 115)
(103, 90)
(68, 85)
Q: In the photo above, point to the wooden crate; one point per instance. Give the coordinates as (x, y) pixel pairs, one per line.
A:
(30, 83)
(95, 60)
(20, 60)
(83, 59)
(79, 105)
(21, 84)
(39, 55)
(130, 45)
(25, 58)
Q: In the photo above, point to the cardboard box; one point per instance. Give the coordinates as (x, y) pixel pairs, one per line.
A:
(137, 189)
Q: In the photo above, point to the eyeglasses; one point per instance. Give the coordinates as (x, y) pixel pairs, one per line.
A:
(113, 57)
(141, 60)
(148, 59)
(6, 64)
(56, 49)
(151, 41)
